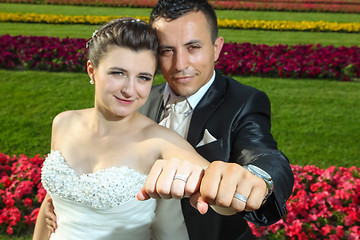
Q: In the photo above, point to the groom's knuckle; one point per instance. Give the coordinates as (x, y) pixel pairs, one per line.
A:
(222, 202)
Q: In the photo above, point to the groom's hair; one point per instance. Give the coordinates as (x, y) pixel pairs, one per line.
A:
(173, 9)
(126, 32)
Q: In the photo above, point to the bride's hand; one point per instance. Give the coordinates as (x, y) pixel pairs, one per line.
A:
(50, 216)
(174, 178)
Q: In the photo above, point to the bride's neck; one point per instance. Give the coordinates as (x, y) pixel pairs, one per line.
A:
(108, 124)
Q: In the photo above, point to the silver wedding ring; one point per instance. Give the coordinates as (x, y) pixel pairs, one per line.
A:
(240, 197)
(181, 177)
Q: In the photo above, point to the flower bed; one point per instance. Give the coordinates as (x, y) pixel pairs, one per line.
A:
(314, 26)
(269, 5)
(59, 19)
(21, 193)
(295, 6)
(298, 61)
(43, 53)
(324, 204)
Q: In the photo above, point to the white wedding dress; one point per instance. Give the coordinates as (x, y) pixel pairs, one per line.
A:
(99, 205)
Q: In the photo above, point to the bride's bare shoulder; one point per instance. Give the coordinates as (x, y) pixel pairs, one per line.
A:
(156, 131)
(68, 117)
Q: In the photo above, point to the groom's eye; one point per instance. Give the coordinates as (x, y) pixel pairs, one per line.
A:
(193, 48)
(166, 52)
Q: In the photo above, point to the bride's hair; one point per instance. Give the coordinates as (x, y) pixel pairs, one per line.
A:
(127, 32)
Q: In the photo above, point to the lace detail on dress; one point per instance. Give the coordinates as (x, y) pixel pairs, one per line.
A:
(103, 189)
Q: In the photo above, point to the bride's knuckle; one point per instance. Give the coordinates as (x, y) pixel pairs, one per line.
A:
(163, 191)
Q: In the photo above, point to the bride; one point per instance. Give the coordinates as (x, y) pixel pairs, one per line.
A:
(101, 156)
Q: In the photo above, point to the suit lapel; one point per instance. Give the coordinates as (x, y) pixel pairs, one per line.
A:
(203, 111)
(153, 107)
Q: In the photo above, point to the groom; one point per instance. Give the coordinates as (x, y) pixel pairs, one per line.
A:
(228, 124)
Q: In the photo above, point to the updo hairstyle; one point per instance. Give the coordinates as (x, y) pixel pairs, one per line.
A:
(126, 32)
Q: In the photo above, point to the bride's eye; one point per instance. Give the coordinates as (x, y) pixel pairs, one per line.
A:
(145, 78)
(119, 73)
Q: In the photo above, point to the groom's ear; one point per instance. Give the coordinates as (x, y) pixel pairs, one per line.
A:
(218, 45)
(90, 69)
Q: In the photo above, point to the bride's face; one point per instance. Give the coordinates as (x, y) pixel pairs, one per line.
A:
(123, 80)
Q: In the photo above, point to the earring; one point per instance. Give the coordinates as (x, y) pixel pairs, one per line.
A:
(92, 81)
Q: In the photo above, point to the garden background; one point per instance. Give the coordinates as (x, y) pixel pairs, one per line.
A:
(303, 53)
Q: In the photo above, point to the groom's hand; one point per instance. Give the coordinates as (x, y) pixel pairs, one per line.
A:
(220, 183)
(174, 178)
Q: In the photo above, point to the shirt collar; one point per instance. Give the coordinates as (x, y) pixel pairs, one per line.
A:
(194, 99)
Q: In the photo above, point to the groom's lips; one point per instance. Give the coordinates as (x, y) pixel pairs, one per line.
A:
(182, 79)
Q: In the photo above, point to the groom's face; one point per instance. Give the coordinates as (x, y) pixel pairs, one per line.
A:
(187, 53)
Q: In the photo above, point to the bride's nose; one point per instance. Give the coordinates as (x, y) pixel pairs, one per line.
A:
(128, 89)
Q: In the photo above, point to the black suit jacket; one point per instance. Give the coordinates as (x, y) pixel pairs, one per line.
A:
(238, 116)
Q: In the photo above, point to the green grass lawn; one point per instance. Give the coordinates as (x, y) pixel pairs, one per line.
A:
(25, 237)
(314, 121)
(252, 36)
(222, 14)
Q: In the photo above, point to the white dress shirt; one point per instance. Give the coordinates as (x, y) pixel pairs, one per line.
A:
(169, 221)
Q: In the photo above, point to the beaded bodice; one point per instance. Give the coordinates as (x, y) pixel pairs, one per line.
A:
(106, 188)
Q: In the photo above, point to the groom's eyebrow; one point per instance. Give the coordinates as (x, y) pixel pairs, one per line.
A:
(193, 42)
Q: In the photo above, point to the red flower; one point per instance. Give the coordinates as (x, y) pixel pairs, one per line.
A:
(8, 199)
(340, 231)
(6, 181)
(24, 188)
(325, 230)
(31, 219)
(28, 202)
(41, 193)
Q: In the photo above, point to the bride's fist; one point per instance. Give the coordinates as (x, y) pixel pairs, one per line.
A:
(173, 178)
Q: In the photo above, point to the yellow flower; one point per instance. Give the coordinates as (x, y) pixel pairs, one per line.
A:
(315, 26)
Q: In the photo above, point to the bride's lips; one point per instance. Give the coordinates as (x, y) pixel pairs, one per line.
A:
(124, 101)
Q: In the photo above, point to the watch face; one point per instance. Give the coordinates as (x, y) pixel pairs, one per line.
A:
(258, 171)
(265, 176)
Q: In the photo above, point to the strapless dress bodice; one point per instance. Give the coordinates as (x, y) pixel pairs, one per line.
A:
(100, 205)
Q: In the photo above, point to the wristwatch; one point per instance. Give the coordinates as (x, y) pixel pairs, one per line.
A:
(263, 175)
